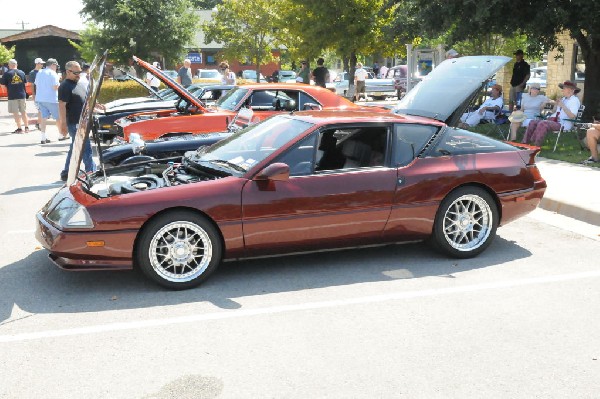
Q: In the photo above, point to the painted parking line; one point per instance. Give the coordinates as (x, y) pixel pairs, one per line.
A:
(231, 314)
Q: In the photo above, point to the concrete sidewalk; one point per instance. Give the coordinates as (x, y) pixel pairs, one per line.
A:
(573, 190)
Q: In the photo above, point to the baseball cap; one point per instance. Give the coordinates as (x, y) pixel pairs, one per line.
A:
(38, 60)
(51, 61)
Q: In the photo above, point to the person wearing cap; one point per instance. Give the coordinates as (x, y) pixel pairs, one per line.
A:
(520, 76)
(152, 80)
(46, 82)
(488, 110)
(566, 108)
(39, 64)
(532, 104)
(451, 54)
(14, 79)
(360, 77)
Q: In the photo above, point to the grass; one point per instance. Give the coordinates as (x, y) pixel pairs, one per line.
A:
(569, 148)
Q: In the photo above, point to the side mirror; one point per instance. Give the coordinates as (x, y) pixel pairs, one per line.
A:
(137, 143)
(274, 172)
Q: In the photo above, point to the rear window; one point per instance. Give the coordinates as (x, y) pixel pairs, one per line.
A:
(459, 141)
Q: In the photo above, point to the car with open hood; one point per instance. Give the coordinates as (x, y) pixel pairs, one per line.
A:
(300, 181)
(191, 116)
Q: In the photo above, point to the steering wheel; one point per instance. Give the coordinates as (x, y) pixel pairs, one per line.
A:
(182, 106)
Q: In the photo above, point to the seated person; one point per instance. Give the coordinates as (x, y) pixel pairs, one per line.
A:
(332, 155)
(532, 104)
(488, 109)
(566, 108)
(593, 137)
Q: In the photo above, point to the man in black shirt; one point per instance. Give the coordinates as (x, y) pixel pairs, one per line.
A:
(320, 73)
(519, 79)
(71, 97)
(14, 80)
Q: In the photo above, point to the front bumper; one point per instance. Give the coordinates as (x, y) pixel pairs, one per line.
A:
(70, 250)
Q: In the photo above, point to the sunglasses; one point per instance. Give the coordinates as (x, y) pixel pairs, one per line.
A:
(74, 72)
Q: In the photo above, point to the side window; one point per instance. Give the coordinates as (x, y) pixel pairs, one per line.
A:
(262, 100)
(459, 141)
(351, 148)
(305, 99)
(301, 156)
(409, 140)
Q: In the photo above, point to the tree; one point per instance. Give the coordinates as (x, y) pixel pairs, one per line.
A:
(6, 54)
(205, 4)
(541, 21)
(246, 28)
(146, 28)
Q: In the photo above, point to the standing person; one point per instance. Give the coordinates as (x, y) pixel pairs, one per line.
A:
(520, 76)
(39, 64)
(303, 73)
(228, 77)
(320, 73)
(531, 106)
(376, 69)
(383, 71)
(46, 97)
(14, 80)
(152, 80)
(71, 96)
(83, 76)
(566, 108)
(184, 75)
(451, 54)
(360, 75)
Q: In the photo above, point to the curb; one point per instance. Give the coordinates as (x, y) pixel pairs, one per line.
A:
(570, 210)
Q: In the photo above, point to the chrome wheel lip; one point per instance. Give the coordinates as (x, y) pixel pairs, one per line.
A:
(467, 223)
(180, 251)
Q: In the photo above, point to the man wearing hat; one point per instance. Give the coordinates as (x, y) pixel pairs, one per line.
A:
(520, 76)
(451, 54)
(39, 64)
(488, 110)
(46, 82)
(532, 104)
(566, 108)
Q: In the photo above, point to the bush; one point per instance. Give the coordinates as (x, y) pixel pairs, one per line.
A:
(114, 90)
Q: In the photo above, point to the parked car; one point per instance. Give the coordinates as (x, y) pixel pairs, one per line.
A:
(171, 74)
(211, 74)
(538, 75)
(301, 181)
(250, 74)
(104, 120)
(28, 89)
(286, 77)
(376, 88)
(193, 117)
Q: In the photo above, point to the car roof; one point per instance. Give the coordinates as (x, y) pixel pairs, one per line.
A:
(359, 116)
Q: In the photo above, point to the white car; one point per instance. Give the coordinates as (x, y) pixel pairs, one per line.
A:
(538, 75)
(376, 88)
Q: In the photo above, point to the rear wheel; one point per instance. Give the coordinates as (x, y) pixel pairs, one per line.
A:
(179, 250)
(466, 222)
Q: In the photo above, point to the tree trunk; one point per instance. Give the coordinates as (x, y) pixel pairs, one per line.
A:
(591, 95)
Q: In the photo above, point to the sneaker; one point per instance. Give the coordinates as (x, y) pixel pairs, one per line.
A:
(19, 130)
(45, 141)
(62, 138)
(26, 129)
(64, 176)
(589, 161)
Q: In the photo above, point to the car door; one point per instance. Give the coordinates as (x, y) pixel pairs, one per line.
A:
(348, 204)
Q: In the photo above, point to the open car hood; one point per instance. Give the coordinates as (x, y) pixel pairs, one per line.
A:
(446, 91)
(95, 77)
(180, 90)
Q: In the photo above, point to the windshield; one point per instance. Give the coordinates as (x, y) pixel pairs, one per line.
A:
(209, 75)
(232, 99)
(252, 145)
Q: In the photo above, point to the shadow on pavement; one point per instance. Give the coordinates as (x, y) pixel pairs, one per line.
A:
(36, 285)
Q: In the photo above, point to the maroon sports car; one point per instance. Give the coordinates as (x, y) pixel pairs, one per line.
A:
(301, 182)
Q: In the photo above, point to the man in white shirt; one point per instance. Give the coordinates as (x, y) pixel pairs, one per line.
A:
(566, 108)
(46, 96)
(360, 75)
(152, 80)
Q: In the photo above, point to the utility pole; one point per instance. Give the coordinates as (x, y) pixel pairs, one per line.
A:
(22, 23)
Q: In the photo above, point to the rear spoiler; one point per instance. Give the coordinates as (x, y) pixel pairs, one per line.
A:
(526, 152)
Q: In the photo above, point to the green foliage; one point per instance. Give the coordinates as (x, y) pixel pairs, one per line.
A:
(246, 29)
(146, 28)
(6, 54)
(114, 90)
(205, 4)
(88, 48)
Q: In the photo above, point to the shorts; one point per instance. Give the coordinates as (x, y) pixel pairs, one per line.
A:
(17, 106)
(48, 109)
(360, 86)
(515, 94)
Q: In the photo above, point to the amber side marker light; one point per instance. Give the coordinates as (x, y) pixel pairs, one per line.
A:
(95, 243)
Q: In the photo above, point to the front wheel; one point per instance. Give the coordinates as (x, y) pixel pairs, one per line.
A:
(465, 223)
(179, 250)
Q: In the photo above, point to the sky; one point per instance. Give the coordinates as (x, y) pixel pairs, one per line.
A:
(37, 13)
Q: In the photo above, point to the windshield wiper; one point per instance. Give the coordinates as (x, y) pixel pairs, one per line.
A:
(228, 164)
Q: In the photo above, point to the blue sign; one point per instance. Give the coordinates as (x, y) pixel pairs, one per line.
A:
(196, 58)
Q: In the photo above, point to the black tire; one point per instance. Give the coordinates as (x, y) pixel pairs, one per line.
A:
(465, 223)
(179, 250)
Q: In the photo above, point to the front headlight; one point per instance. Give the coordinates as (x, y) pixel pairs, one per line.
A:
(70, 214)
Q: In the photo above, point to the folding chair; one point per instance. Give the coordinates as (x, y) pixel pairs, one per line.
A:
(496, 124)
(576, 123)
